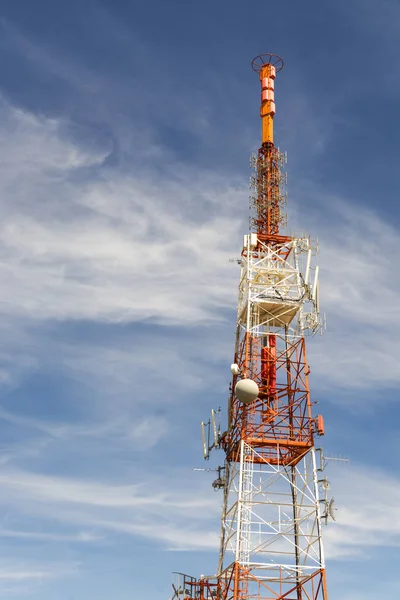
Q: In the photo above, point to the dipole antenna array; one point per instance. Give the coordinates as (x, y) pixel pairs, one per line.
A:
(275, 498)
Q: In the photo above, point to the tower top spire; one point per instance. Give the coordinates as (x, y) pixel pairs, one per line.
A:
(267, 66)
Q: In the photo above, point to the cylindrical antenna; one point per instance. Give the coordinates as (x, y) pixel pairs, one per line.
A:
(267, 65)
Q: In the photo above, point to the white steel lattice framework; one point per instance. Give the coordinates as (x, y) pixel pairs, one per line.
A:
(271, 546)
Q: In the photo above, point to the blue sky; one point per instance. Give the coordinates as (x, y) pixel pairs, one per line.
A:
(125, 134)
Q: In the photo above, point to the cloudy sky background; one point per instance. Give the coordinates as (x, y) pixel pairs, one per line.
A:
(125, 133)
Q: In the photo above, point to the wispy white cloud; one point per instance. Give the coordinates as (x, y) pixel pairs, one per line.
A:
(82, 536)
(368, 515)
(149, 496)
(127, 248)
(186, 517)
(119, 249)
(19, 576)
(157, 509)
(143, 432)
(359, 288)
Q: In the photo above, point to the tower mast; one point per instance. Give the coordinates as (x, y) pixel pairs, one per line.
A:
(271, 543)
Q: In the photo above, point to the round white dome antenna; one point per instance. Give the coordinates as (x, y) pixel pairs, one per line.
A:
(235, 369)
(246, 391)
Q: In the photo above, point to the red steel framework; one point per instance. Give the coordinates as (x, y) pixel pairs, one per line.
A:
(271, 519)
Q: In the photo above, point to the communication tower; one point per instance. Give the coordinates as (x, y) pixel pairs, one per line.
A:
(274, 497)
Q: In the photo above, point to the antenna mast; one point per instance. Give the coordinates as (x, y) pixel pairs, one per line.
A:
(271, 542)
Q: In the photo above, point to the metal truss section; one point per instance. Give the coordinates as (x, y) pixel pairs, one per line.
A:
(242, 583)
(279, 423)
(275, 290)
(272, 522)
(268, 183)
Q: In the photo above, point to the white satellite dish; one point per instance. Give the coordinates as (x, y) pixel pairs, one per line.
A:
(246, 391)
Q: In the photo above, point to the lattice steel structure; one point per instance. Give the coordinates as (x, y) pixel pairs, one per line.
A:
(271, 546)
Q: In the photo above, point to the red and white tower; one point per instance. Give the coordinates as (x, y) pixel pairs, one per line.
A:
(271, 544)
